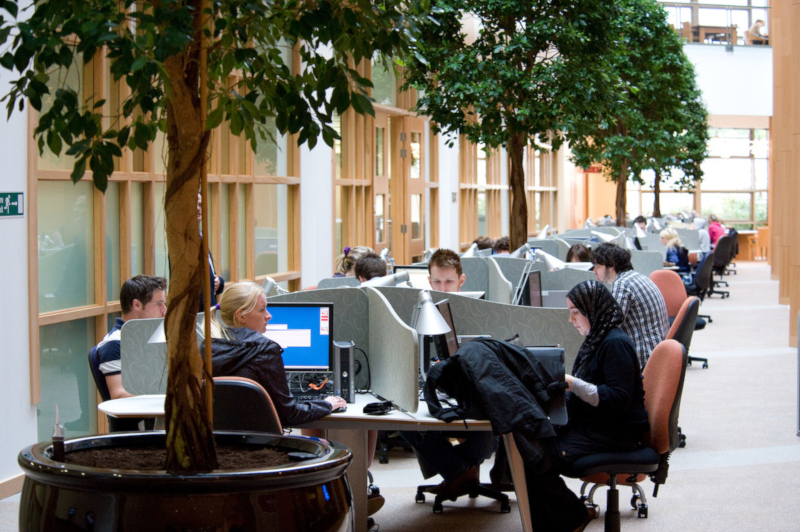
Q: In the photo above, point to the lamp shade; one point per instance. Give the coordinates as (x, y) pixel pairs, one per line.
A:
(550, 262)
(589, 223)
(471, 252)
(603, 237)
(429, 320)
(159, 336)
(639, 231)
(387, 280)
(520, 252)
(543, 232)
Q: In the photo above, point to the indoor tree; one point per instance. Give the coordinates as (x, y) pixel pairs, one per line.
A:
(177, 59)
(658, 121)
(533, 68)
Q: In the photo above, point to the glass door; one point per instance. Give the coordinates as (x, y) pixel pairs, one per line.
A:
(381, 183)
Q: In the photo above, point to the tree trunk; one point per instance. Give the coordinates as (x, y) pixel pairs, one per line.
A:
(518, 216)
(657, 193)
(190, 441)
(622, 202)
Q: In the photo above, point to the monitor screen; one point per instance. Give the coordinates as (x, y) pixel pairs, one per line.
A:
(451, 338)
(417, 276)
(532, 294)
(305, 332)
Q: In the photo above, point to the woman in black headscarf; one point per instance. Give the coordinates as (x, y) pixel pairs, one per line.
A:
(605, 404)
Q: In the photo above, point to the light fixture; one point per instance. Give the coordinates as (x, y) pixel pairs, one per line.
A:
(159, 336)
(428, 322)
(639, 231)
(471, 252)
(543, 232)
(552, 263)
(388, 280)
(521, 251)
(270, 283)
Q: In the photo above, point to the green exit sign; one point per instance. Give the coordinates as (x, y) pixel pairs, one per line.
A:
(11, 204)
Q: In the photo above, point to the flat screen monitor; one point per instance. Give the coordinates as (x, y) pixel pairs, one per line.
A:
(305, 332)
(417, 276)
(532, 293)
(451, 338)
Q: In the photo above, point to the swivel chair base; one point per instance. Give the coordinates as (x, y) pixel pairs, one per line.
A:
(698, 359)
(491, 491)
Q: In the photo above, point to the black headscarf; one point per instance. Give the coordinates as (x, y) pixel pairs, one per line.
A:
(604, 313)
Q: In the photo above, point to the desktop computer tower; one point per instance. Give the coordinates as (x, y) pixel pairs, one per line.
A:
(344, 370)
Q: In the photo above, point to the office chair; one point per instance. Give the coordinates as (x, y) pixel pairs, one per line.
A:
(114, 424)
(671, 286)
(701, 281)
(683, 327)
(663, 385)
(388, 440)
(723, 254)
(242, 404)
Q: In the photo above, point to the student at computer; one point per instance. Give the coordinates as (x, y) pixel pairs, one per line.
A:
(240, 349)
(605, 405)
(369, 266)
(579, 253)
(346, 262)
(677, 255)
(501, 246)
(457, 464)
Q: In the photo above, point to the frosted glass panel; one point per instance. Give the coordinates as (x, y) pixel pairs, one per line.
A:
(270, 157)
(384, 82)
(223, 262)
(62, 78)
(242, 233)
(65, 378)
(727, 174)
(727, 206)
(137, 228)
(271, 230)
(482, 212)
(112, 242)
(162, 257)
(65, 245)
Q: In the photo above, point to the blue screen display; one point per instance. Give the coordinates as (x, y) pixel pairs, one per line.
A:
(305, 332)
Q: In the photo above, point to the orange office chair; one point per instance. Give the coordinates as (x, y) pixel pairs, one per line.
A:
(672, 289)
(242, 404)
(663, 386)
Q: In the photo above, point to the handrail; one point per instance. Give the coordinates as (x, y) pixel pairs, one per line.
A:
(712, 6)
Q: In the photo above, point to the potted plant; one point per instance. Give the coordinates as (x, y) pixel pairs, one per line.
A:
(177, 58)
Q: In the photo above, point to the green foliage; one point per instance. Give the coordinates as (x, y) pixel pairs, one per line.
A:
(534, 67)
(659, 121)
(248, 40)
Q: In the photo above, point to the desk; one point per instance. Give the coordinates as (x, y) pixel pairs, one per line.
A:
(350, 428)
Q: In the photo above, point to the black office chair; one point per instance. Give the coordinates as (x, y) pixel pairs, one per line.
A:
(701, 281)
(114, 424)
(734, 234)
(242, 404)
(684, 326)
(723, 253)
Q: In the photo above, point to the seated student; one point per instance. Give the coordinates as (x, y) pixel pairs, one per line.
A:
(677, 255)
(457, 464)
(346, 262)
(484, 242)
(141, 297)
(715, 229)
(605, 405)
(579, 253)
(368, 266)
(240, 349)
(641, 221)
(705, 238)
(502, 246)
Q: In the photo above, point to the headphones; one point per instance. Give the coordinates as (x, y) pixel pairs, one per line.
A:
(378, 409)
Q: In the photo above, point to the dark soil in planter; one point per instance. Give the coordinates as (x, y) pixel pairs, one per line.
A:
(153, 458)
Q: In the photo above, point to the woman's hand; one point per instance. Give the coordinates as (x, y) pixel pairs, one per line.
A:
(336, 402)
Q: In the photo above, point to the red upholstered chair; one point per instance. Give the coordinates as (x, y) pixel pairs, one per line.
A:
(672, 288)
(663, 386)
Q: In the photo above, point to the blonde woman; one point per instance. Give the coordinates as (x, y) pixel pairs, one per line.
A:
(676, 253)
(239, 348)
(346, 262)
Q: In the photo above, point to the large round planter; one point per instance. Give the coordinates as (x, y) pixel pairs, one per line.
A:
(308, 495)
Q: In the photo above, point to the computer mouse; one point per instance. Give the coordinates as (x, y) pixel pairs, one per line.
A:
(340, 409)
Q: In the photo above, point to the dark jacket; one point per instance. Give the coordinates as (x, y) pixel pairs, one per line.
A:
(500, 382)
(614, 369)
(252, 355)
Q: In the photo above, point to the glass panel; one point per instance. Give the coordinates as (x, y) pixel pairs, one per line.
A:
(337, 148)
(162, 257)
(159, 149)
(271, 240)
(225, 223)
(427, 150)
(712, 17)
(379, 132)
(379, 219)
(416, 154)
(481, 169)
(112, 241)
(337, 198)
(65, 378)
(671, 203)
(270, 156)
(633, 205)
(384, 82)
(538, 209)
(242, 232)
(761, 208)
(110, 319)
(62, 78)
(537, 168)
(760, 148)
(729, 143)
(761, 170)
(66, 245)
(481, 213)
(727, 206)
(225, 149)
(137, 228)
(416, 216)
(727, 174)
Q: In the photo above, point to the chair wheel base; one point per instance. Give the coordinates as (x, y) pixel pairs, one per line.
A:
(642, 511)
(420, 498)
(437, 506)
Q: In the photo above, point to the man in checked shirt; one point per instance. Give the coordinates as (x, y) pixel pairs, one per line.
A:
(646, 321)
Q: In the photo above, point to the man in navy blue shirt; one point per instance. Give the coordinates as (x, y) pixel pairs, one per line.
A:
(141, 297)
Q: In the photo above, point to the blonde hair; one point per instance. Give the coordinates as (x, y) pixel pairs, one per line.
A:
(671, 235)
(238, 298)
(345, 263)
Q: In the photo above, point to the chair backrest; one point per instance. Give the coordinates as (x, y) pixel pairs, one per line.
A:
(704, 273)
(734, 234)
(242, 404)
(723, 251)
(684, 324)
(663, 386)
(99, 378)
(672, 288)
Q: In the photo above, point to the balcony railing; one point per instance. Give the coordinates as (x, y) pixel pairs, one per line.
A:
(726, 24)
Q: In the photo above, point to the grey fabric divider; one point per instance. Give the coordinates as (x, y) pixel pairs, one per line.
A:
(485, 252)
(563, 248)
(547, 245)
(501, 290)
(512, 268)
(690, 238)
(338, 282)
(646, 262)
(652, 242)
(565, 279)
(144, 366)
(580, 233)
(536, 326)
(477, 270)
(394, 355)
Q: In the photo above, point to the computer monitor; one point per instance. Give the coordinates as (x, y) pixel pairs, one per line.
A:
(451, 338)
(417, 276)
(532, 293)
(305, 332)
